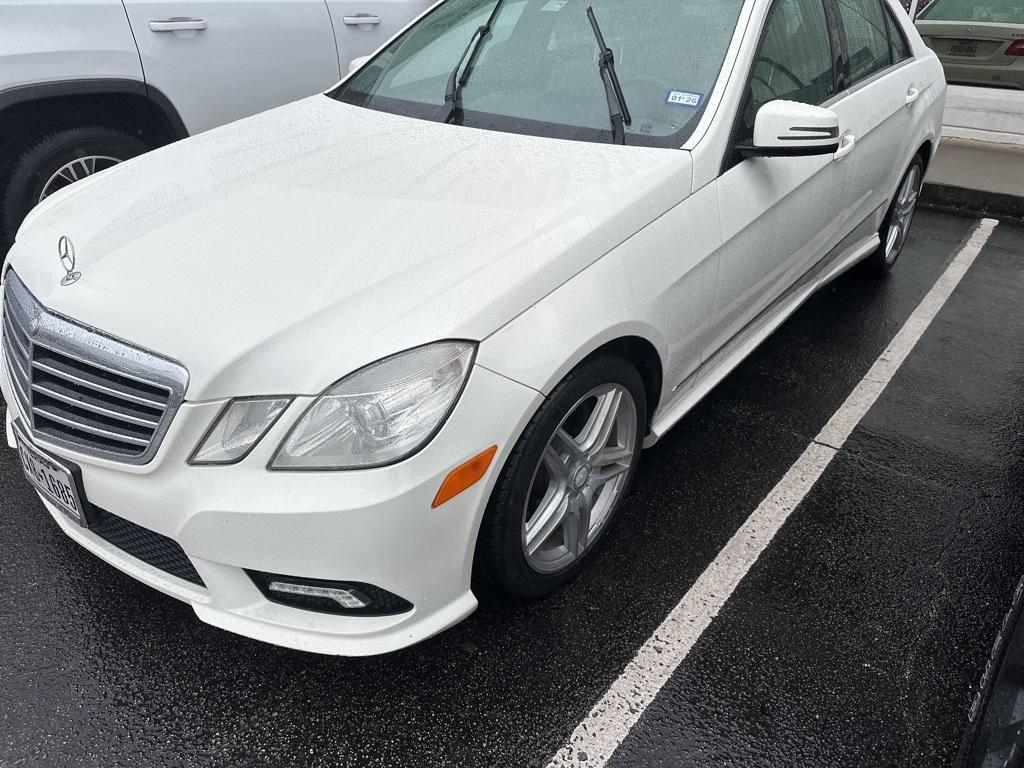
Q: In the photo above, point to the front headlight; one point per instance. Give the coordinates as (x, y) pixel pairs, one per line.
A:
(380, 414)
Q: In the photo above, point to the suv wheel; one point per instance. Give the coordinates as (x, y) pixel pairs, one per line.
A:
(56, 160)
(565, 479)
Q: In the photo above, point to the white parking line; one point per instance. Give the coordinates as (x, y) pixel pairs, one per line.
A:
(606, 726)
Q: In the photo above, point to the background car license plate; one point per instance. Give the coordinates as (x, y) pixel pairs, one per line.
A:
(963, 48)
(51, 479)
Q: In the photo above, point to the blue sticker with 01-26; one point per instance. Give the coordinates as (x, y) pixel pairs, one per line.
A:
(683, 99)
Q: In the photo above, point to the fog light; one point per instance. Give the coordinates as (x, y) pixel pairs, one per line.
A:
(346, 598)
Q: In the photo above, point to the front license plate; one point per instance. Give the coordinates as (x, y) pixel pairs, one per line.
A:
(51, 478)
(963, 48)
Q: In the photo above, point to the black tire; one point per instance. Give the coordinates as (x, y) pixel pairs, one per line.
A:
(500, 556)
(42, 157)
(882, 261)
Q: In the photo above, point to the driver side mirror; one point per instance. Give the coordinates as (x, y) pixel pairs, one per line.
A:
(791, 129)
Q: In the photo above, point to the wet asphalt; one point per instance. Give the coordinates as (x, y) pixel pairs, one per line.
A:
(857, 639)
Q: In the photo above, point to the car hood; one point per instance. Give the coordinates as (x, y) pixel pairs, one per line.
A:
(279, 253)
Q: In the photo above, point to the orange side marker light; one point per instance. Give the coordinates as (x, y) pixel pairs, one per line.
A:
(464, 476)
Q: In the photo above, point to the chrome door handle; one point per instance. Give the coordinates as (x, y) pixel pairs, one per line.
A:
(846, 146)
(361, 20)
(177, 25)
(913, 94)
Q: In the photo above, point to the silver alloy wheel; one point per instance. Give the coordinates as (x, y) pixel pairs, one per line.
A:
(76, 170)
(902, 214)
(580, 478)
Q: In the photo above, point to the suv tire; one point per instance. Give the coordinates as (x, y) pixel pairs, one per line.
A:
(35, 165)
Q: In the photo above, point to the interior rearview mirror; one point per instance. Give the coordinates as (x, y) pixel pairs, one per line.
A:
(792, 129)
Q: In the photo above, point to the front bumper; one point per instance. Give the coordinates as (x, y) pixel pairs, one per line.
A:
(374, 526)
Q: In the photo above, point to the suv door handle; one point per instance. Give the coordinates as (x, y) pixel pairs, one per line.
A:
(177, 25)
(846, 146)
(358, 21)
(913, 94)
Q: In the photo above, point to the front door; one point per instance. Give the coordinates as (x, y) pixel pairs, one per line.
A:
(220, 60)
(779, 215)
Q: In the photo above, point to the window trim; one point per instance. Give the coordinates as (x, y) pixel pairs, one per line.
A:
(844, 79)
(867, 81)
(894, 24)
(853, 88)
(851, 84)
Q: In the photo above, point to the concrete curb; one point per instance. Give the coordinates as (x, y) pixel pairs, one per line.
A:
(962, 201)
(979, 167)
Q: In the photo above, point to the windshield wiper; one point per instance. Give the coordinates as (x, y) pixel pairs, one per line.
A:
(618, 111)
(453, 91)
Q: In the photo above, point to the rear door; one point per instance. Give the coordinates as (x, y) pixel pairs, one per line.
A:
(877, 108)
(363, 26)
(220, 60)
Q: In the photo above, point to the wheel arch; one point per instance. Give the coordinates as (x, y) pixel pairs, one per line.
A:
(119, 102)
(642, 354)
(926, 152)
(520, 357)
(29, 112)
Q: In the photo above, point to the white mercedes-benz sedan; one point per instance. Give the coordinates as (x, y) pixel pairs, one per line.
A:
(314, 371)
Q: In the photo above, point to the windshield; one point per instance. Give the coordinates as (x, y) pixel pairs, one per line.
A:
(1000, 11)
(538, 72)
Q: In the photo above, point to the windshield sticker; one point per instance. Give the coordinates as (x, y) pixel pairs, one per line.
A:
(683, 99)
(555, 5)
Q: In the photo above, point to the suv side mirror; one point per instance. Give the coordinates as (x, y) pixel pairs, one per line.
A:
(791, 129)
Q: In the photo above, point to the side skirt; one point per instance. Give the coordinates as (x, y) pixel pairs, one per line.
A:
(734, 352)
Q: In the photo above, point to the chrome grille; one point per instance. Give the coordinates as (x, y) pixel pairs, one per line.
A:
(83, 390)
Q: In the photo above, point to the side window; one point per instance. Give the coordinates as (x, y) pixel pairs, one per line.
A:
(897, 41)
(794, 61)
(867, 37)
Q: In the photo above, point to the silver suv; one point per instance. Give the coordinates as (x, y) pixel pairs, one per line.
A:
(84, 85)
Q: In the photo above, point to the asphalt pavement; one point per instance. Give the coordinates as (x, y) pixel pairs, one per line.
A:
(858, 638)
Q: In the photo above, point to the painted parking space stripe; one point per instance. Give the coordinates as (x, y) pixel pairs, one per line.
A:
(596, 738)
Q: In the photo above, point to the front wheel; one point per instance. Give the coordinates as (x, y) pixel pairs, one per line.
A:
(896, 225)
(565, 479)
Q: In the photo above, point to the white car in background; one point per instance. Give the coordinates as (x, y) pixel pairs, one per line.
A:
(311, 371)
(85, 84)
